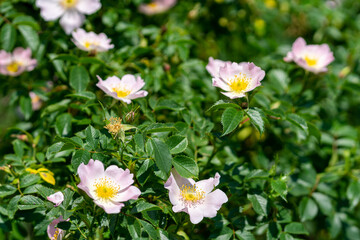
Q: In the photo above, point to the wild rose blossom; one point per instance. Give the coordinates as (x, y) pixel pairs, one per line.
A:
(236, 78)
(109, 188)
(54, 232)
(90, 41)
(56, 198)
(15, 63)
(71, 11)
(156, 7)
(214, 65)
(195, 198)
(35, 101)
(314, 58)
(126, 89)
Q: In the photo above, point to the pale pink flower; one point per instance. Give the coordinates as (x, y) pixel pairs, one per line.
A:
(54, 232)
(35, 101)
(195, 198)
(56, 198)
(238, 78)
(156, 7)
(15, 63)
(90, 41)
(109, 188)
(314, 58)
(71, 11)
(126, 89)
(214, 65)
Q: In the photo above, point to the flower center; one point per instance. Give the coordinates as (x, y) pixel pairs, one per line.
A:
(68, 3)
(191, 195)
(153, 5)
(121, 93)
(239, 83)
(13, 67)
(105, 188)
(56, 234)
(87, 44)
(310, 61)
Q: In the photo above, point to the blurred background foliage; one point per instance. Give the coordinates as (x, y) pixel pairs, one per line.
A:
(299, 179)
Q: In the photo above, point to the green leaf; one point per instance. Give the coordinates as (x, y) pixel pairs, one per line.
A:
(257, 174)
(314, 131)
(7, 190)
(168, 104)
(177, 144)
(30, 36)
(13, 206)
(92, 137)
(29, 202)
(230, 119)
(186, 166)
(162, 155)
(244, 235)
(144, 206)
(26, 20)
(63, 124)
(324, 203)
(160, 127)
(297, 121)
(53, 149)
(7, 37)
(285, 236)
(307, 209)
(279, 186)
(149, 229)
(83, 95)
(259, 204)
(223, 104)
(257, 117)
(26, 107)
(80, 156)
(79, 78)
(353, 193)
(224, 234)
(28, 179)
(68, 196)
(296, 228)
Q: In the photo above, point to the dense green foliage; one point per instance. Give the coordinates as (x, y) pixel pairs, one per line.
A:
(288, 155)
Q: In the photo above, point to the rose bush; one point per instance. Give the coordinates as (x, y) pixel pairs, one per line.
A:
(179, 119)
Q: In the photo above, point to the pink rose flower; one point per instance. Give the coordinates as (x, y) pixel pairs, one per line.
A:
(15, 63)
(126, 89)
(54, 232)
(214, 66)
(56, 198)
(71, 11)
(238, 78)
(156, 7)
(314, 58)
(90, 41)
(195, 198)
(109, 188)
(35, 101)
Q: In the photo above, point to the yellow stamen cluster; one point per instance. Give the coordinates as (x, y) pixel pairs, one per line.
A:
(191, 194)
(68, 3)
(310, 61)
(13, 67)
(114, 126)
(153, 5)
(105, 188)
(56, 234)
(239, 83)
(121, 92)
(87, 44)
